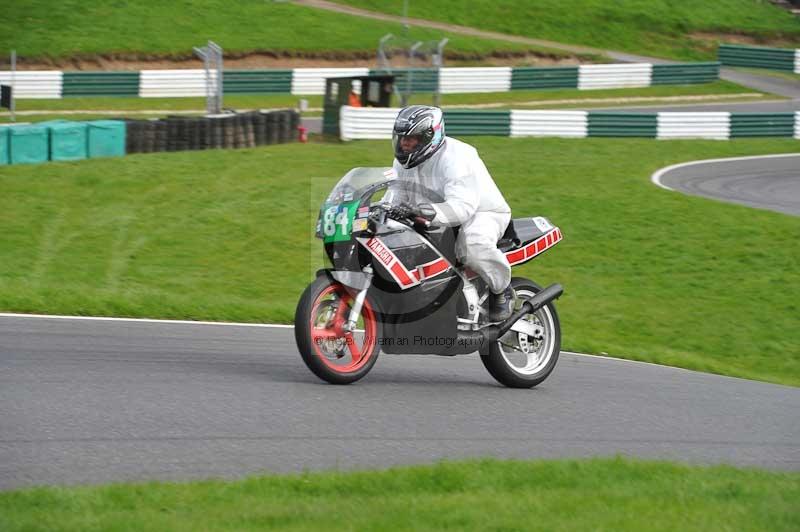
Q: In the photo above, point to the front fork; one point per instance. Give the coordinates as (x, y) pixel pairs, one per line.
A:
(355, 312)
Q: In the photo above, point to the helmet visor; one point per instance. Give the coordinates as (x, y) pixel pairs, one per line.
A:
(407, 144)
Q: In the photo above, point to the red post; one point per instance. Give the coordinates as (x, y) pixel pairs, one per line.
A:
(303, 134)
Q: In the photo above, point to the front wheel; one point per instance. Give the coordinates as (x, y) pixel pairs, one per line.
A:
(330, 352)
(520, 360)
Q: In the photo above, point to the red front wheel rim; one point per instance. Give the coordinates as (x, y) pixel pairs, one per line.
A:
(340, 351)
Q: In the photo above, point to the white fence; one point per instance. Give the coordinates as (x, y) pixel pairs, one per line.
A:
(549, 124)
(464, 80)
(308, 81)
(694, 125)
(36, 84)
(614, 76)
(797, 125)
(366, 122)
(174, 83)
(797, 61)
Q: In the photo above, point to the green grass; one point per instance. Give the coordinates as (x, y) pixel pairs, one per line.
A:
(600, 494)
(652, 27)
(226, 235)
(59, 29)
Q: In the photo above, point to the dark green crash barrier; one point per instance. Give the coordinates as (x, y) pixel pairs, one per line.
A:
(756, 56)
(469, 122)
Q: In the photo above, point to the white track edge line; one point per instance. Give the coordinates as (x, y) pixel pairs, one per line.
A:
(144, 320)
(656, 177)
(262, 325)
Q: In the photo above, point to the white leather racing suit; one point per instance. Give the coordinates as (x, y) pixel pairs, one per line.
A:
(471, 199)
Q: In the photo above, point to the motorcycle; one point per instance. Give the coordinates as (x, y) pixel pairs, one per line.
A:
(394, 284)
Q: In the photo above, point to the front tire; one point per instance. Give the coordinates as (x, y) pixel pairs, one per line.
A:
(332, 354)
(518, 360)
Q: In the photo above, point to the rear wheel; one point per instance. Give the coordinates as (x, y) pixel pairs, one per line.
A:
(330, 352)
(520, 360)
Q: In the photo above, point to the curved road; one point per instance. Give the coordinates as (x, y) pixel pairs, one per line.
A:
(771, 182)
(87, 401)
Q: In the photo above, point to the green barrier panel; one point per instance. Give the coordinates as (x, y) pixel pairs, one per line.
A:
(4, 145)
(756, 56)
(257, 81)
(606, 124)
(67, 140)
(544, 78)
(762, 125)
(106, 138)
(685, 73)
(28, 144)
(100, 84)
(468, 122)
(421, 79)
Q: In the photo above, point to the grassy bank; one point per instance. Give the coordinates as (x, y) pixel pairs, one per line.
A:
(601, 494)
(226, 235)
(40, 29)
(681, 29)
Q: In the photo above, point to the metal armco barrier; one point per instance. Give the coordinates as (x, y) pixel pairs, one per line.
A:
(311, 81)
(257, 81)
(685, 73)
(371, 123)
(623, 124)
(614, 76)
(308, 81)
(468, 122)
(465, 80)
(173, 83)
(544, 78)
(760, 57)
(762, 125)
(100, 84)
(693, 125)
(34, 84)
(548, 123)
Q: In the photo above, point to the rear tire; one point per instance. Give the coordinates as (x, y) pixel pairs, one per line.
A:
(520, 361)
(330, 353)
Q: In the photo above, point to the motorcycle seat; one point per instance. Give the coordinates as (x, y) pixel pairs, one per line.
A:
(520, 232)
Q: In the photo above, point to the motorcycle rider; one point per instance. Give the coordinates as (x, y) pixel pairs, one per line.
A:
(453, 170)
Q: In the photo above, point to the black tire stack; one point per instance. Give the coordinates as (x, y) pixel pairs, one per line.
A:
(231, 130)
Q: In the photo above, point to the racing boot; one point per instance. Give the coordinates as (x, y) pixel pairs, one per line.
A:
(501, 305)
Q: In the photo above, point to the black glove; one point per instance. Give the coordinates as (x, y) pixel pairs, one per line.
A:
(402, 211)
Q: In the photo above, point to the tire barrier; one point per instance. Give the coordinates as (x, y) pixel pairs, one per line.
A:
(372, 123)
(63, 140)
(226, 131)
(310, 81)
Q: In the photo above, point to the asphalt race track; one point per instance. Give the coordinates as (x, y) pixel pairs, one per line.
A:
(762, 182)
(95, 401)
(87, 401)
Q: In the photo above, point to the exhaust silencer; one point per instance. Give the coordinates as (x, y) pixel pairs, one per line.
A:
(533, 304)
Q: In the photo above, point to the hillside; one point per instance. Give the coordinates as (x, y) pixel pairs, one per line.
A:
(42, 30)
(680, 29)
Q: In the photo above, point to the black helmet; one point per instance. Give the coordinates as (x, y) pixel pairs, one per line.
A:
(423, 123)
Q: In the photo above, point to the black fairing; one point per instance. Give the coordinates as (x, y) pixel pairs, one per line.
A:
(422, 319)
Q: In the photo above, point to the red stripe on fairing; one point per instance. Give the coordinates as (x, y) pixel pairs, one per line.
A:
(434, 268)
(515, 256)
(402, 275)
(534, 248)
